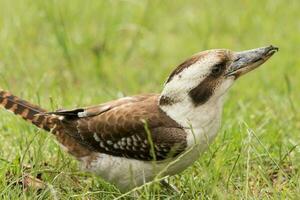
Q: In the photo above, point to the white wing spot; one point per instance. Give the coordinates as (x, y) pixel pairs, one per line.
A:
(138, 138)
(82, 114)
(96, 137)
(102, 144)
(123, 143)
(142, 149)
(135, 143)
(134, 138)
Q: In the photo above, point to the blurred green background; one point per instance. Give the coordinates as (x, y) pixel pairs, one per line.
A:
(69, 53)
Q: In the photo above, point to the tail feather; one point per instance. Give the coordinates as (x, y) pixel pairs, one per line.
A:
(44, 120)
(26, 110)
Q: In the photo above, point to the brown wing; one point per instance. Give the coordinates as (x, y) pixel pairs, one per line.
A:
(126, 128)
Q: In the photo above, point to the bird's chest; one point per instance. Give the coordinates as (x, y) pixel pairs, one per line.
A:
(203, 128)
(201, 125)
(198, 140)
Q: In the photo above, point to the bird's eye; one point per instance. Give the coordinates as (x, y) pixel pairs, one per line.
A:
(217, 69)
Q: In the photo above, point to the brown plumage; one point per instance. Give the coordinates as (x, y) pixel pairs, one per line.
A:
(34, 114)
(119, 128)
(116, 128)
(25, 109)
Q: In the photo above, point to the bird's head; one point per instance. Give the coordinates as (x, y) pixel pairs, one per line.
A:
(208, 75)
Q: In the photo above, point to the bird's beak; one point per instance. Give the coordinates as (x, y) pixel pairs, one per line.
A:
(246, 61)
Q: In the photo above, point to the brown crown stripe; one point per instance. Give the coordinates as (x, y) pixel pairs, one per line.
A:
(184, 65)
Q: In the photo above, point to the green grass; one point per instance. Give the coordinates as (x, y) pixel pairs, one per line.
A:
(69, 53)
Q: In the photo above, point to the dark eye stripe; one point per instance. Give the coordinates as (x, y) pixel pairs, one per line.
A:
(218, 69)
(202, 93)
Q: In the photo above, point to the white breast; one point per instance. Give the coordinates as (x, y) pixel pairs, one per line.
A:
(202, 124)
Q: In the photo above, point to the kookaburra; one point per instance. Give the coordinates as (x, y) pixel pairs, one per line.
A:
(132, 140)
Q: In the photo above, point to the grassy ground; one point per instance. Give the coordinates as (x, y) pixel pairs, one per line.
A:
(68, 53)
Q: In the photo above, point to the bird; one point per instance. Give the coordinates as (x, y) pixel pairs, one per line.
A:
(132, 140)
